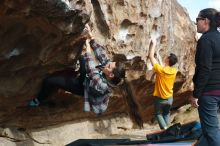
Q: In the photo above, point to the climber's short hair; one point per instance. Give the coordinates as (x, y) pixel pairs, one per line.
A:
(172, 59)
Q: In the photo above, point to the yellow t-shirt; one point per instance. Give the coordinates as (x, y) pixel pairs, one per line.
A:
(165, 78)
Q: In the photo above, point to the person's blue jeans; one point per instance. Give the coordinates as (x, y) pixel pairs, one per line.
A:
(162, 111)
(208, 114)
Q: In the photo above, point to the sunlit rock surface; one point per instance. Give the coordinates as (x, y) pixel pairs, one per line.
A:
(111, 127)
(40, 37)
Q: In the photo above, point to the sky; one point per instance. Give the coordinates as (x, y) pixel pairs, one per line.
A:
(194, 6)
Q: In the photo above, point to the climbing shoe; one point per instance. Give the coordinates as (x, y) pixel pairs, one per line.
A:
(34, 102)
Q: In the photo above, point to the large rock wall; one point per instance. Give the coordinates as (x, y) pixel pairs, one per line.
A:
(39, 37)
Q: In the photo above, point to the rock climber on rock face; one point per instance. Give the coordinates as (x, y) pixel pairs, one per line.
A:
(98, 76)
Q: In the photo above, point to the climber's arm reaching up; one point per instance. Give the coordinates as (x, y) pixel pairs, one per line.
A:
(152, 51)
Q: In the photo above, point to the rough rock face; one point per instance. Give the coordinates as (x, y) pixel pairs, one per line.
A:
(40, 37)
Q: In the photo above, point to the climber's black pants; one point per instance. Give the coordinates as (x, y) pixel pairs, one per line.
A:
(74, 85)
